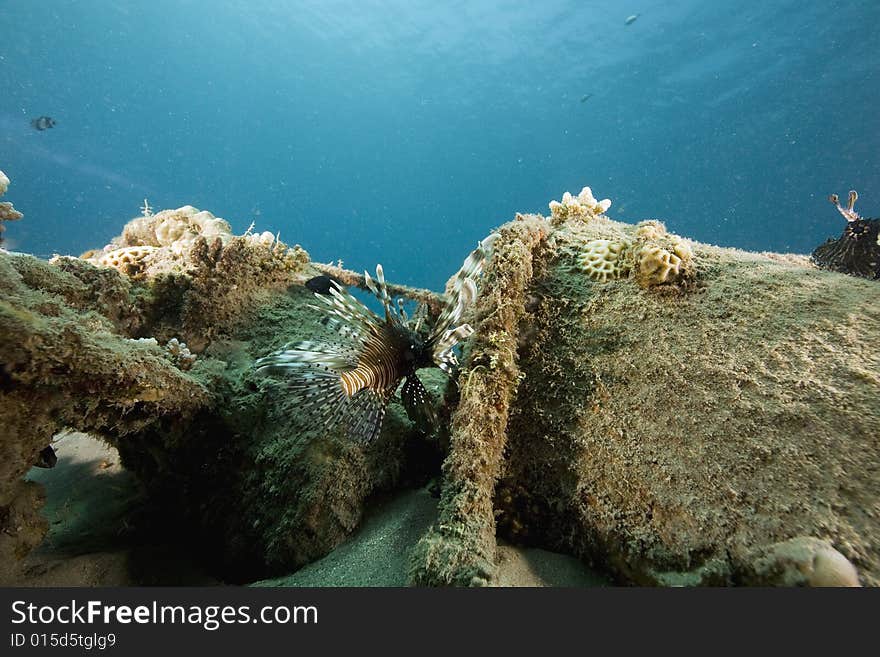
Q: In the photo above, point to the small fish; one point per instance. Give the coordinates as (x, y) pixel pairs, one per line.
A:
(351, 380)
(47, 458)
(43, 123)
(631, 19)
(586, 97)
(321, 284)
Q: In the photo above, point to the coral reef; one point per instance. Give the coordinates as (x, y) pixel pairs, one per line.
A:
(857, 250)
(7, 212)
(703, 416)
(219, 450)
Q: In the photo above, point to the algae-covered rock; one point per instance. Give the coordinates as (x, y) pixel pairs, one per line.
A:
(668, 433)
(155, 357)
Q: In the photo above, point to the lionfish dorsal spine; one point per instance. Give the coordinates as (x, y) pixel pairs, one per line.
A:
(446, 332)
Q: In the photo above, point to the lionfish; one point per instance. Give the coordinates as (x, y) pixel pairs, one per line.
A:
(351, 380)
(857, 250)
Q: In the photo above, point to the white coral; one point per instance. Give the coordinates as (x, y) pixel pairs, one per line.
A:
(180, 228)
(265, 238)
(180, 354)
(7, 212)
(176, 229)
(583, 206)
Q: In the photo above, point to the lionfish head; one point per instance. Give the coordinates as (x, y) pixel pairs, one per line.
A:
(352, 379)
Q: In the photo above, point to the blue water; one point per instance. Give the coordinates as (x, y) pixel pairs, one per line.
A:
(401, 132)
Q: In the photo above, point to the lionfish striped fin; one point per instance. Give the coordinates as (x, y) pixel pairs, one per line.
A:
(364, 414)
(380, 288)
(313, 388)
(419, 405)
(348, 309)
(447, 332)
(296, 355)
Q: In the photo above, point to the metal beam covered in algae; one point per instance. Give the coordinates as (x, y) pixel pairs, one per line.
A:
(667, 411)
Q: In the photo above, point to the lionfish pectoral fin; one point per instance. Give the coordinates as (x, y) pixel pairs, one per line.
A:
(364, 415)
(419, 405)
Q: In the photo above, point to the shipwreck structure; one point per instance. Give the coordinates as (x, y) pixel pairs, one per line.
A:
(668, 411)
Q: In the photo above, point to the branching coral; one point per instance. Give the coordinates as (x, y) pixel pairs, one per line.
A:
(584, 206)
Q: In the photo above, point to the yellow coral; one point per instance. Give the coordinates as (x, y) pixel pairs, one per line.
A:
(604, 260)
(656, 265)
(129, 260)
(683, 250)
(584, 206)
(660, 257)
